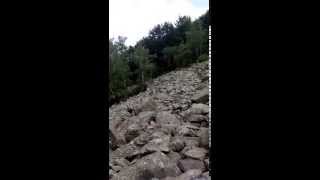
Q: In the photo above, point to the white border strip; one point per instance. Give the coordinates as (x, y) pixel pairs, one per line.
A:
(209, 86)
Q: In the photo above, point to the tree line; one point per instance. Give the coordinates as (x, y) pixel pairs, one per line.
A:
(167, 47)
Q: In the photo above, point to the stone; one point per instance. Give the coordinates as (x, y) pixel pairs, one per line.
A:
(132, 132)
(117, 139)
(116, 168)
(188, 164)
(162, 96)
(177, 144)
(159, 165)
(196, 124)
(146, 117)
(190, 175)
(122, 162)
(196, 118)
(199, 109)
(187, 130)
(204, 124)
(127, 151)
(148, 104)
(155, 165)
(157, 144)
(206, 162)
(201, 96)
(143, 139)
(111, 173)
(201, 177)
(196, 153)
(204, 137)
(169, 129)
(205, 78)
(192, 141)
(207, 175)
(174, 156)
(169, 178)
(165, 117)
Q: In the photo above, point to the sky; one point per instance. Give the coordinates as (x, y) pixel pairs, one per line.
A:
(135, 18)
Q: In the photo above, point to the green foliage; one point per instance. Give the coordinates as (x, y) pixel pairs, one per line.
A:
(183, 56)
(169, 53)
(195, 38)
(145, 67)
(203, 57)
(183, 24)
(118, 68)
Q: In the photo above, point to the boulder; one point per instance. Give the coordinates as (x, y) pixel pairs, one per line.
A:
(196, 124)
(174, 156)
(146, 117)
(116, 168)
(188, 164)
(142, 139)
(132, 132)
(192, 174)
(207, 175)
(206, 162)
(127, 151)
(165, 117)
(177, 144)
(122, 162)
(204, 124)
(117, 139)
(159, 165)
(196, 153)
(147, 104)
(155, 165)
(196, 118)
(204, 137)
(199, 109)
(201, 96)
(192, 141)
(187, 130)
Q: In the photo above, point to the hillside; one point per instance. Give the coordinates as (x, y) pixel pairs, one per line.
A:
(163, 132)
(167, 47)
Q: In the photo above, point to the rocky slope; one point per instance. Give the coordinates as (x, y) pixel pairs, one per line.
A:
(162, 133)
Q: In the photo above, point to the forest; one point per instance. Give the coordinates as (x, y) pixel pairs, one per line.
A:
(168, 46)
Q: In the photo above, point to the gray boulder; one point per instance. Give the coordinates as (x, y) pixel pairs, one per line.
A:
(196, 153)
(192, 174)
(188, 164)
(165, 118)
(204, 137)
(201, 96)
(155, 165)
(199, 109)
(177, 144)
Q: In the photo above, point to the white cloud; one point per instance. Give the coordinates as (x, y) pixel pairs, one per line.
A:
(135, 18)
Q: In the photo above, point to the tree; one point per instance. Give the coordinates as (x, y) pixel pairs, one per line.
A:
(118, 66)
(183, 56)
(195, 38)
(183, 24)
(145, 67)
(169, 53)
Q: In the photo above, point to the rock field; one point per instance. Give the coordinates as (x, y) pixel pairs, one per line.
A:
(163, 132)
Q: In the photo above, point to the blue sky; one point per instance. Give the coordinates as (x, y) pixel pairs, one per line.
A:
(201, 3)
(135, 18)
